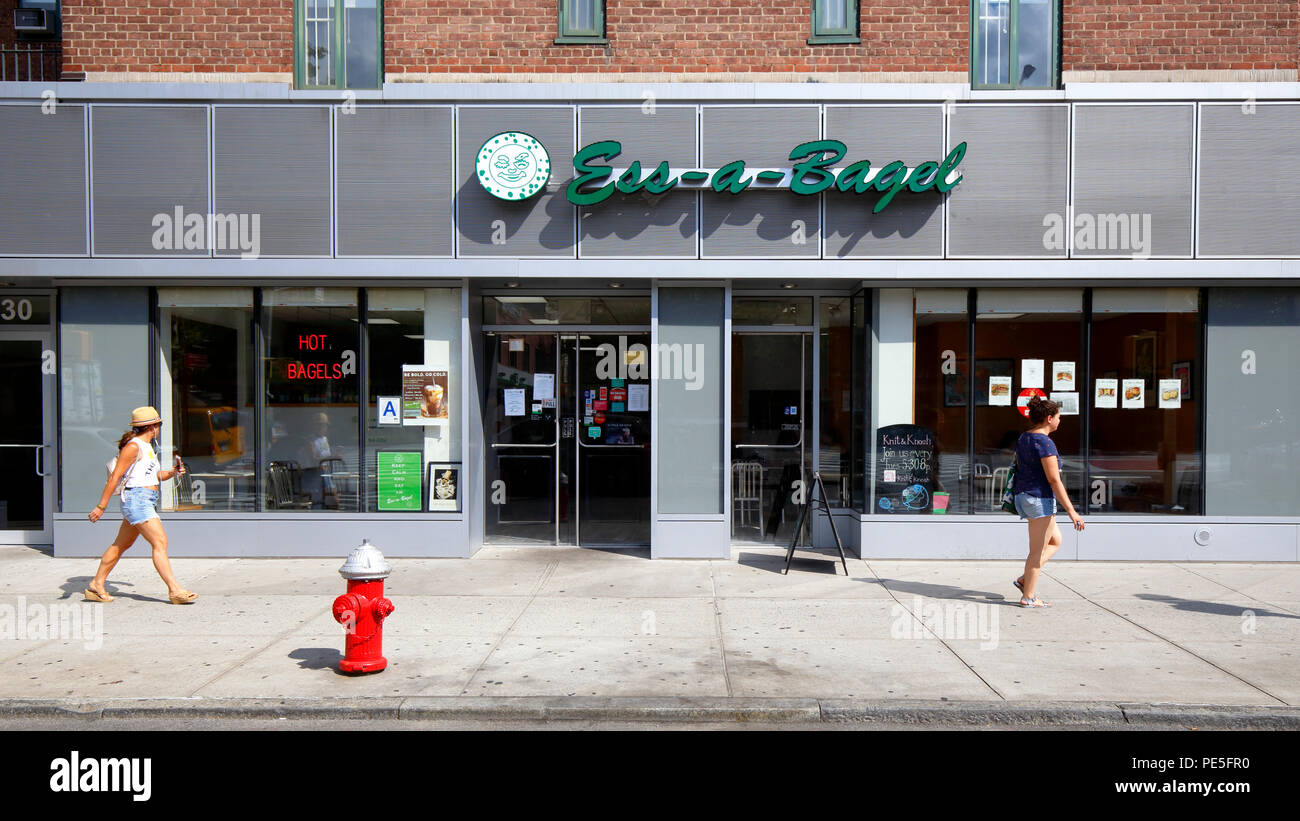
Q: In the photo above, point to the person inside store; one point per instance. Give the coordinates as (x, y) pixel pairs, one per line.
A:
(314, 451)
(1037, 488)
(135, 474)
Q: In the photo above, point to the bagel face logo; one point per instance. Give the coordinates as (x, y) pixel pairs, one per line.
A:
(512, 165)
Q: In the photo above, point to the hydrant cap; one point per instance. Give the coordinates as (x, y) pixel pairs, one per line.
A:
(366, 562)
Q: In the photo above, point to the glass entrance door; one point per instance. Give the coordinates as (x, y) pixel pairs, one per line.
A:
(568, 439)
(26, 428)
(771, 435)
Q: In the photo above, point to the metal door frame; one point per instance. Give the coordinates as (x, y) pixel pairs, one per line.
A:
(45, 460)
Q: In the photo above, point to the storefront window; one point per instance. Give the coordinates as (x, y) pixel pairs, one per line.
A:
(1145, 409)
(1027, 342)
(532, 309)
(836, 422)
(768, 312)
(413, 368)
(205, 338)
(942, 388)
(310, 427)
(860, 334)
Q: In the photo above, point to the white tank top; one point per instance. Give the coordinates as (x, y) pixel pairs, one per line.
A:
(144, 470)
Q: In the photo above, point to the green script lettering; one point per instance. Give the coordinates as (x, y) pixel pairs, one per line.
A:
(730, 178)
(854, 177)
(809, 152)
(949, 163)
(585, 173)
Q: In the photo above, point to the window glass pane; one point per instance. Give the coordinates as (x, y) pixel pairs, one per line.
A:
(318, 40)
(1144, 457)
(836, 369)
(1014, 326)
(861, 341)
(549, 310)
(361, 42)
(942, 388)
(205, 381)
(1252, 396)
(1034, 44)
(771, 311)
(310, 432)
(409, 326)
(691, 459)
(832, 16)
(581, 17)
(992, 44)
(104, 338)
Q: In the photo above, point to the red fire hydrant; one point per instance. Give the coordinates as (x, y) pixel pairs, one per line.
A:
(362, 610)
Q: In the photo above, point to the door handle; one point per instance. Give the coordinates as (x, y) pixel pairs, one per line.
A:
(39, 461)
(769, 447)
(495, 445)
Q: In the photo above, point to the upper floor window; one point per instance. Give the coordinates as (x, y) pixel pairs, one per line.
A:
(338, 44)
(582, 21)
(1014, 43)
(834, 21)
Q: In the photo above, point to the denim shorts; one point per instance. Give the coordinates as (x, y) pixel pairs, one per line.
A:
(1034, 507)
(139, 504)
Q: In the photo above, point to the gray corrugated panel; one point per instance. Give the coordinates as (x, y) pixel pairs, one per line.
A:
(541, 225)
(274, 161)
(759, 224)
(1014, 175)
(394, 182)
(1134, 160)
(43, 166)
(640, 225)
(911, 225)
(147, 161)
(647, 134)
(762, 136)
(1249, 165)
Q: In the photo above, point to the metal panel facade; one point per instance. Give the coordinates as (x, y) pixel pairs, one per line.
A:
(1248, 198)
(43, 166)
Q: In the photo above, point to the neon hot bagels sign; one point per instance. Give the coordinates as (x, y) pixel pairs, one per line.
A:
(514, 166)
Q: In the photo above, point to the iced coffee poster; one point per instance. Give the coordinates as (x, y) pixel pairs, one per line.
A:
(1105, 395)
(424, 395)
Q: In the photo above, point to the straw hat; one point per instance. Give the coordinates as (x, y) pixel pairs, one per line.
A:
(146, 415)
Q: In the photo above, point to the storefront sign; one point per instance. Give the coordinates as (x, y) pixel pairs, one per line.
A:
(398, 476)
(389, 409)
(815, 170)
(512, 165)
(905, 461)
(1026, 395)
(424, 396)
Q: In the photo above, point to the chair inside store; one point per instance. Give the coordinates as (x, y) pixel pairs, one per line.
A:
(284, 487)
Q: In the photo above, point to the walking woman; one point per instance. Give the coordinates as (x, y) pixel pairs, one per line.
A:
(137, 471)
(1037, 487)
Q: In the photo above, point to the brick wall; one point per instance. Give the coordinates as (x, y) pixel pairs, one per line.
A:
(432, 37)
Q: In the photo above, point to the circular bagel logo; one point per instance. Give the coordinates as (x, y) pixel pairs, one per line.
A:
(512, 165)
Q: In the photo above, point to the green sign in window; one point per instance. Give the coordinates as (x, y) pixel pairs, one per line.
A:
(400, 475)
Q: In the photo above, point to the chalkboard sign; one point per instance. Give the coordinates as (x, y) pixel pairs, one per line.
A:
(905, 467)
(400, 480)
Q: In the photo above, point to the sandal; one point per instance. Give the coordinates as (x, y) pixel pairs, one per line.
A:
(1020, 584)
(185, 597)
(95, 595)
(1034, 602)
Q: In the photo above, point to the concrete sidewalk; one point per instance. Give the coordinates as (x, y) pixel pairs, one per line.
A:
(556, 633)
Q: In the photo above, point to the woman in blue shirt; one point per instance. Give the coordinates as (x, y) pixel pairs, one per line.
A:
(1037, 487)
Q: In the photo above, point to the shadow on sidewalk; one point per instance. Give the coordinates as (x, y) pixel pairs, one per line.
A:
(74, 588)
(1212, 608)
(827, 566)
(318, 658)
(942, 591)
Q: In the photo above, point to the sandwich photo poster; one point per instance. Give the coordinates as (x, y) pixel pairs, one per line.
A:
(1133, 393)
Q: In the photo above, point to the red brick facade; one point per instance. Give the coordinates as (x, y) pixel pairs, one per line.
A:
(674, 36)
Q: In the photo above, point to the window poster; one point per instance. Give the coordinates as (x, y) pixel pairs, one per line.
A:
(1000, 390)
(1171, 393)
(1068, 400)
(1134, 393)
(638, 398)
(1031, 373)
(1062, 376)
(1105, 395)
(514, 401)
(543, 386)
(424, 396)
(444, 487)
(397, 479)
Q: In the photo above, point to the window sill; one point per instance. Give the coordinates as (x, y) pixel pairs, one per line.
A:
(831, 39)
(581, 41)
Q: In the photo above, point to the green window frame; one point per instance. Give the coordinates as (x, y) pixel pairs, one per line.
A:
(995, 62)
(326, 20)
(581, 31)
(825, 30)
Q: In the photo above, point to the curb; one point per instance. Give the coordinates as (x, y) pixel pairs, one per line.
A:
(672, 710)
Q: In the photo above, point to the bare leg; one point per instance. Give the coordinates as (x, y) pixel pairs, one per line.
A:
(152, 530)
(1040, 549)
(125, 538)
